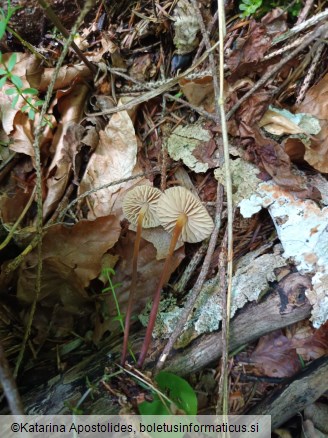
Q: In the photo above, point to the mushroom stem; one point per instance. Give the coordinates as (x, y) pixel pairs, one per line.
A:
(181, 221)
(133, 286)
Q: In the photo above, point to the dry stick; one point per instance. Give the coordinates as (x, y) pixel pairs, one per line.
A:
(222, 288)
(56, 21)
(315, 19)
(154, 92)
(19, 220)
(285, 48)
(199, 283)
(305, 11)
(36, 147)
(9, 385)
(210, 28)
(180, 285)
(317, 49)
(199, 110)
(103, 186)
(222, 31)
(146, 86)
(315, 34)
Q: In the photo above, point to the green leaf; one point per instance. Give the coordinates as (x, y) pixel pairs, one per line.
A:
(30, 91)
(156, 407)
(14, 101)
(39, 103)
(16, 80)
(3, 26)
(12, 61)
(3, 81)
(179, 391)
(25, 108)
(10, 91)
(3, 72)
(31, 114)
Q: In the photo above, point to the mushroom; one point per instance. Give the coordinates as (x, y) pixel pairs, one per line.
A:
(139, 207)
(180, 212)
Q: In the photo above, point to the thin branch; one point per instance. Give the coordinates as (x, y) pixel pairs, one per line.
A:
(37, 157)
(314, 35)
(9, 385)
(315, 19)
(228, 182)
(305, 11)
(56, 21)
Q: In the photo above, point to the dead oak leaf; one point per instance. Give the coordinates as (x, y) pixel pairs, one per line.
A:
(275, 356)
(71, 259)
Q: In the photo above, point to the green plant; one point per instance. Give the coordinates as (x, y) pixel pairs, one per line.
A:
(261, 7)
(29, 95)
(249, 7)
(107, 273)
(5, 17)
(181, 395)
(173, 396)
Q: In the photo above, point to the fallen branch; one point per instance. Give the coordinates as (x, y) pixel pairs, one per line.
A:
(254, 321)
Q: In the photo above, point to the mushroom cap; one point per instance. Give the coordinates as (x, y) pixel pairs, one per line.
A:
(142, 198)
(178, 200)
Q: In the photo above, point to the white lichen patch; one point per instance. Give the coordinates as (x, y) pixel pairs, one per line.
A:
(244, 178)
(183, 141)
(186, 27)
(302, 227)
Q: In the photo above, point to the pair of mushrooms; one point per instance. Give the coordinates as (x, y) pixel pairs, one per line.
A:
(180, 213)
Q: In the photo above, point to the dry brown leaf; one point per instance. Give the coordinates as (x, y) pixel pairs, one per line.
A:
(278, 124)
(71, 259)
(70, 106)
(113, 159)
(315, 103)
(12, 206)
(275, 22)
(309, 342)
(143, 68)
(67, 75)
(199, 92)
(275, 356)
(249, 53)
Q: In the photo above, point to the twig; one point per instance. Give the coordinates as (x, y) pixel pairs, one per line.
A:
(202, 43)
(197, 109)
(305, 11)
(179, 287)
(37, 157)
(285, 48)
(56, 21)
(222, 289)
(19, 220)
(228, 182)
(199, 283)
(166, 86)
(315, 19)
(104, 186)
(317, 50)
(9, 385)
(315, 34)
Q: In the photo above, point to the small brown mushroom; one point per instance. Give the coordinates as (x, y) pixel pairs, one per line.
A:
(139, 207)
(180, 212)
